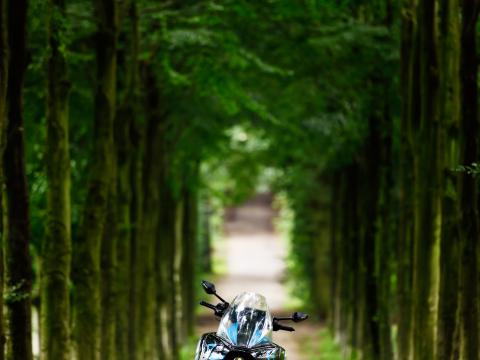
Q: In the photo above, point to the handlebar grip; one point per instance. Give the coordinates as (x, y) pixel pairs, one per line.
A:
(210, 306)
(277, 326)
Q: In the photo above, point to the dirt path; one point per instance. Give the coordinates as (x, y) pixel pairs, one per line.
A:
(255, 262)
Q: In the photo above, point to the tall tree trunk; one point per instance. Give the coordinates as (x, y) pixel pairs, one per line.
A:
(352, 280)
(124, 197)
(56, 249)
(17, 255)
(189, 255)
(384, 251)
(410, 96)
(333, 252)
(108, 266)
(165, 315)
(427, 192)
(320, 282)
(87, 297)
(136, 214)
(449, 115)
(205, 245)
(179, 335)
(468, 187)
(124, 121)
(3, 121)
(152, 183)
(370, 200)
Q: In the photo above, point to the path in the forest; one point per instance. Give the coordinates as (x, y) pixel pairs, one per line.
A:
(255, 261)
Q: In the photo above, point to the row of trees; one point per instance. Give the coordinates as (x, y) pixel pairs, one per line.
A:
(136, 112)
(113, 255)
(432, 239)
(119, 123)
(387, 213)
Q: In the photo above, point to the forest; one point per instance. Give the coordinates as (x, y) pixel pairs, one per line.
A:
(128, 126)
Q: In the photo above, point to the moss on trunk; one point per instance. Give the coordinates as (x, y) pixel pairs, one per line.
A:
(56, 249)
(449, 115)
(427, 192)
(18, 262)
(86, 263)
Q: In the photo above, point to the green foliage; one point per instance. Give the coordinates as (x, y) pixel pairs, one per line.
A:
(15, 293)
(472, 169)
(276, 93)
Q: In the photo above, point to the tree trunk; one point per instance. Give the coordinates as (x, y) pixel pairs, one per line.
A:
(205, 246)
(56, 249)
(333, 252)
(428, 185)
(124, 199)
(123, 125)
(4, 57)
(449, 115)
(136, 215)
(179, 335)
(166, 319)
(108, 265)
(384, 250)
(468, 185)
(370, 200)
(18, 263)
(87, 297)
(152, 186)
(190, 231)
(410, 96)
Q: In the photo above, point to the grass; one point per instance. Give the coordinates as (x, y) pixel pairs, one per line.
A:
(187, 351)
(323, 347)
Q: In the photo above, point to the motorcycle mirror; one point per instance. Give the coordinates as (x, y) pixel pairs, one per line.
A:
(208, 287)
(298, 316)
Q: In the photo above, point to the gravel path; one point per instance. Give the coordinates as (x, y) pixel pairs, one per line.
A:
(255, 262)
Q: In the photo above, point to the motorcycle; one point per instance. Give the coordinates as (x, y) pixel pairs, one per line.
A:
(245, 330)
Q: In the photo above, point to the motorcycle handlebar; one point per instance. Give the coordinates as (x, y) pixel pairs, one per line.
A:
(277, 326)
(218, 309)
(210, 306)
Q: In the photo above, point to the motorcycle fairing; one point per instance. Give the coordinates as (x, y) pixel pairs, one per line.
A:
(213, 347)
(247, 321)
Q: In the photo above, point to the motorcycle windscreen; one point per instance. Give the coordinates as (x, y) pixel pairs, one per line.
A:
(247, 322)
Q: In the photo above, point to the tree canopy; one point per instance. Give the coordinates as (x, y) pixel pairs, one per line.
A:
(127, 126)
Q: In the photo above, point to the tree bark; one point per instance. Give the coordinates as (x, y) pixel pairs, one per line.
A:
(87, 295)
(166, 318)
(56, 249)
(124, 121)
(468, 186)
(190, 232)
(428, 185)
(384, 249)
(369, 203)
(409, 119)
(449, 115)
(152, 186)
(333, 251)
(17, 255)
(108, 265)
(136, 260)
(4, 57)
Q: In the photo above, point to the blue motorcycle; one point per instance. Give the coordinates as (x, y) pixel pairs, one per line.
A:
(245, 330)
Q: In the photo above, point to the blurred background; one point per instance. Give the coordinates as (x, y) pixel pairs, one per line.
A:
(323, 153)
